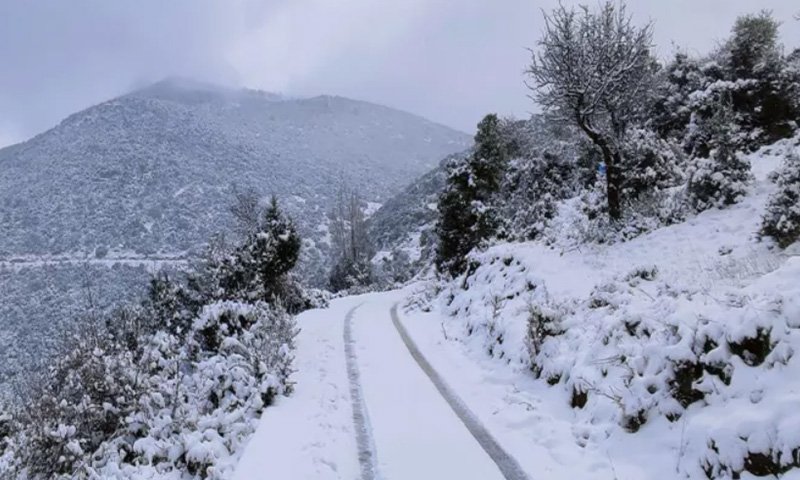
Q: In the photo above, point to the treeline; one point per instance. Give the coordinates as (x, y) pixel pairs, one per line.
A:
(171, 385)
(640, 143)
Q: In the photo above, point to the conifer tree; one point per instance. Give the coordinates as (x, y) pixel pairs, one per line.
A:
(455, 228)
(258, 266)
(765, 97)
(467, 214)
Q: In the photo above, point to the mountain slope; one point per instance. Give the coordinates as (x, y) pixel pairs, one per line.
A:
(669, 354)
(152, 171)
(88, 206)
(406, 220)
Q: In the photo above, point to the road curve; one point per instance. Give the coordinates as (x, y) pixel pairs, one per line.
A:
(508, 466)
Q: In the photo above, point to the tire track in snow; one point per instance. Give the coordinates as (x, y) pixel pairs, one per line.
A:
(367, 455)
(506, 463)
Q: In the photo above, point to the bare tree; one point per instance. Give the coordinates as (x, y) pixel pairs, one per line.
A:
(246, 210)
(592, 69)
(351, 245)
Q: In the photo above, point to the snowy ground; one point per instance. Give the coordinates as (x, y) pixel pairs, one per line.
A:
(414, 431)
(412, 428)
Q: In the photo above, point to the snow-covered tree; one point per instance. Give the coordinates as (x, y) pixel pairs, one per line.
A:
(766, 91)
(487, 165)
(350, 241)
(455, 226)
(593, 70)
(468, 214)
(723, 178)
(257, 268)
(246, 210)
(782, 218)
(671, 111)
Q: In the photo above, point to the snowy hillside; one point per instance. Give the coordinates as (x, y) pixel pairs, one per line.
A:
(405, 222)
(151, 172)
(686, 335)
(150, 175)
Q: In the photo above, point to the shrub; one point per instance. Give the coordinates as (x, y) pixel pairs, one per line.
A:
(719, 181)
(542, 324)
(782, 219)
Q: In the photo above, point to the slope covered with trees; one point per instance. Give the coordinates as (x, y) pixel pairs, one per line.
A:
(170, 386)
(641, 261)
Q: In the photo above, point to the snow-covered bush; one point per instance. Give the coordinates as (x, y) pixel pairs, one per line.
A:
(204, 396)
(649, 165)
(640, 347)
(165, 406)
(530, 191)
(749, 72)
(782, 219)
(81, 401)
(8, 428)
(720, 180)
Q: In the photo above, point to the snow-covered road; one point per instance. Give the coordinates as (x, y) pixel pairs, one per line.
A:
(403, 427)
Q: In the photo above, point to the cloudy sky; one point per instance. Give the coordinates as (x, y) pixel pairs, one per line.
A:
(449, 60)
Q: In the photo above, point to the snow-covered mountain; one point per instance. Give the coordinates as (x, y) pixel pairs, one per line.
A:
(150, 176)
(152, 171)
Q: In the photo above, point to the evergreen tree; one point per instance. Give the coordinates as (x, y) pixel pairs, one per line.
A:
(766, 99)
(467, 212)
(455, 227)
(486, 167)
(782, 219)
(723, 178)
(257, 268)
(671, 111)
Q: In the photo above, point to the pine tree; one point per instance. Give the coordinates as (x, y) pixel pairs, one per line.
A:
(455, 228)
(782, 219)
(468, 213)
(256, 268)
(486, 166)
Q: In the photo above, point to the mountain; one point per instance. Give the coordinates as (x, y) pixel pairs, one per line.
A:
(90, 206)
(152, 172)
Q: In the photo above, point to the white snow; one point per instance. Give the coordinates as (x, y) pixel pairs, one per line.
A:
(311, 435)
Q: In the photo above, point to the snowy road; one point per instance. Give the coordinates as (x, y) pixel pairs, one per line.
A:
(391, 424)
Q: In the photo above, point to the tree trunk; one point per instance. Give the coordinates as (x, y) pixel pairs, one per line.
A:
(612, 187)
(612, 161)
